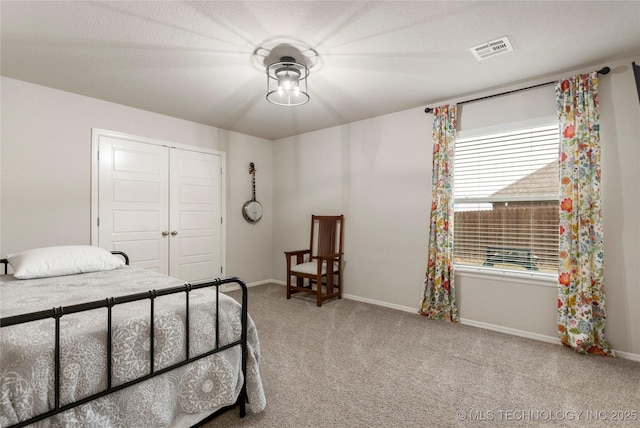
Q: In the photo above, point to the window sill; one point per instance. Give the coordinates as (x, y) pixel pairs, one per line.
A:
(529, 278)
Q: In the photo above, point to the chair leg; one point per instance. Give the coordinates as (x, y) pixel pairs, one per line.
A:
(319, 291)
(288, 286)
(329, 282)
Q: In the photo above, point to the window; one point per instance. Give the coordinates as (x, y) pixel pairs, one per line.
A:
(506, 199)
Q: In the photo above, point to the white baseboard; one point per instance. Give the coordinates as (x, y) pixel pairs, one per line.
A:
(464, 321)
(511, 331)
(249, 285)
(381, 303)
(535, 336)
(627, 355)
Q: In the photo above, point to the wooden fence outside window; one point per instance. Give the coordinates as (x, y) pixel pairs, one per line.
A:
(521, 236)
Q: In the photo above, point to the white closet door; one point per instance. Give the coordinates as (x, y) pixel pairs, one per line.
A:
(195, 215)
(133, 200)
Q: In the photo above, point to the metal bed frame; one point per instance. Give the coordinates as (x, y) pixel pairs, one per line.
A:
(58, 312)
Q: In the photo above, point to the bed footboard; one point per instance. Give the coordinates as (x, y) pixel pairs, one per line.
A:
(108, 304)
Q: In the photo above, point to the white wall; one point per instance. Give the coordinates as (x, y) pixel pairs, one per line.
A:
(377, 172)
(249, 245)
(46, 170)
(620, 136)
(374, 172)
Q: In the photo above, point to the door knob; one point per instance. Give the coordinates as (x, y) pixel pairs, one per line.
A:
(174, 232)
(165, 233)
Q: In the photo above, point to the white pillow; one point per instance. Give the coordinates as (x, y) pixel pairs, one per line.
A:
(62, 260)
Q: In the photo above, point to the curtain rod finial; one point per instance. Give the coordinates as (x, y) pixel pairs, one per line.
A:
(428, 110)
(604, 70)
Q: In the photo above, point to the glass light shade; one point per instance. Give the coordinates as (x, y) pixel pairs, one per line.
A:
(287, 82)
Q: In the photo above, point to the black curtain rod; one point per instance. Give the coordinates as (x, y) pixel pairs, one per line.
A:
(603, 70)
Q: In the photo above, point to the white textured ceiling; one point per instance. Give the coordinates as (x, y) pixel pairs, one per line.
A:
(195, 60)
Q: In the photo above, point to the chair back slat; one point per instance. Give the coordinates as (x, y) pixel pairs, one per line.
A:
(326, 235)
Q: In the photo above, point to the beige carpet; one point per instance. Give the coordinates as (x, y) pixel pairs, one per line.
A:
(351, 364)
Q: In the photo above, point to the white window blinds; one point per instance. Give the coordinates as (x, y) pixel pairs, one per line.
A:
(506, 199)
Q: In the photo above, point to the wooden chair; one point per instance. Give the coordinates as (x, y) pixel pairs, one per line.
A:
(321, 264)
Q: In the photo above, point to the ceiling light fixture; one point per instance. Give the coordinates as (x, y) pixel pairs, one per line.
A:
(287, 82)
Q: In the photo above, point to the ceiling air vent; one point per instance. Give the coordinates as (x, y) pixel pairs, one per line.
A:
(491, 49)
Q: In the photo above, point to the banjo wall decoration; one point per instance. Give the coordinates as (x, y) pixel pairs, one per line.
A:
(252, 210)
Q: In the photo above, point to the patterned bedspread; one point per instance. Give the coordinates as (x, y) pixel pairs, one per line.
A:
(27, 356)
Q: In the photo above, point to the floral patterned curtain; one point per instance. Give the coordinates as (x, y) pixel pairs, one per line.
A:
(581, 313)
(439, 295)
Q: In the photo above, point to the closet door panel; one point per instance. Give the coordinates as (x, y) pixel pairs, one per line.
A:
(134, 195)
(195, 215)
